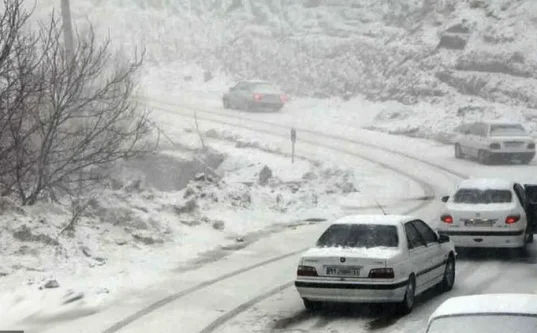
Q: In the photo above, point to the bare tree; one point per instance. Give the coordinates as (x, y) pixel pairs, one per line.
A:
(19, 88)
(85, 119)
(64, 116)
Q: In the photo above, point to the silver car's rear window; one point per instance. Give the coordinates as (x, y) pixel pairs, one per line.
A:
(507, 130)
(493, 323)
(265, 88)
(359, 235)
(477, 196)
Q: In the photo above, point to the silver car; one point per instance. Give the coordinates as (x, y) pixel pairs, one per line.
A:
(254, 95)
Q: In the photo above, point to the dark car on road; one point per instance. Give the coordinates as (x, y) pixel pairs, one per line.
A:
(255, 95)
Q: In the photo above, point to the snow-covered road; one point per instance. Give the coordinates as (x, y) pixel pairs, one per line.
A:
(251, 290)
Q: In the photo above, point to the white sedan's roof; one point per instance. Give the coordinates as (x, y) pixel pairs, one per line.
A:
(502, 122)
(488, 303)
(374, 219)
(487, 183)
(256, 81)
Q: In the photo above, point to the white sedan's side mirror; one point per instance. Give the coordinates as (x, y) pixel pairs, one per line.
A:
(443, 238)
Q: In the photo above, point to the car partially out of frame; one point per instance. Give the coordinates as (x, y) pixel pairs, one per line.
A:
(488, 313)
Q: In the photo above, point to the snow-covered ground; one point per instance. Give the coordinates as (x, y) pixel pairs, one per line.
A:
(152, 220)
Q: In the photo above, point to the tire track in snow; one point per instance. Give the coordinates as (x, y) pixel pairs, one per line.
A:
(164, 301)
(428, 189)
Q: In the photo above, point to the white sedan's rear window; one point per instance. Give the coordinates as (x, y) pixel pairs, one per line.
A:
(359, 235)
(477, 196)
(484, 324)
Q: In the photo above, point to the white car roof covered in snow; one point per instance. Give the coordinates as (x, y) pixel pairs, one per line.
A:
(502, 122)
(487, 183)
(375, 219)
(487, 303)
(255, 81)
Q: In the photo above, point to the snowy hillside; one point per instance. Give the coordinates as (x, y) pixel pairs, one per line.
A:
(457, 59)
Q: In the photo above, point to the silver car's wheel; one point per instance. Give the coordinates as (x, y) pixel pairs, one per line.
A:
(483, 157)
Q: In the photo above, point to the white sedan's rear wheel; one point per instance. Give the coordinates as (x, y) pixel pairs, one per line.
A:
(312, 305)
(406, 306)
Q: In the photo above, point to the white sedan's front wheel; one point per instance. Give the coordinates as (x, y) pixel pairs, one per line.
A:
(449, 275)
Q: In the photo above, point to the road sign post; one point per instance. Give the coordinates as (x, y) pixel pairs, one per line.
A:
(293, 140)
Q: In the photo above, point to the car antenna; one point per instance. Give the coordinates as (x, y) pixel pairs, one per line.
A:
(380, 207)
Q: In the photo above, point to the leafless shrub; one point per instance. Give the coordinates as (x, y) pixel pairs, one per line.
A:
(79, 201)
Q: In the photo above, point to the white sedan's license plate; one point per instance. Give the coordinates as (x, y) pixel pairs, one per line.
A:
(514, 144)
(343, 271)
(479, 223)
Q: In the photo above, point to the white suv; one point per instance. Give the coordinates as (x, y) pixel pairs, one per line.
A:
(491, 140)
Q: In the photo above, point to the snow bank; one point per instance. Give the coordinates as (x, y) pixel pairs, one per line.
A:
(158, 213)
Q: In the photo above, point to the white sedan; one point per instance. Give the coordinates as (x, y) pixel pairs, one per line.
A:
(375, 259)
(490, 313)
(488, 213)
(490, 140)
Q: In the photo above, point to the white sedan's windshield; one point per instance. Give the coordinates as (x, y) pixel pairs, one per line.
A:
(484, 324)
